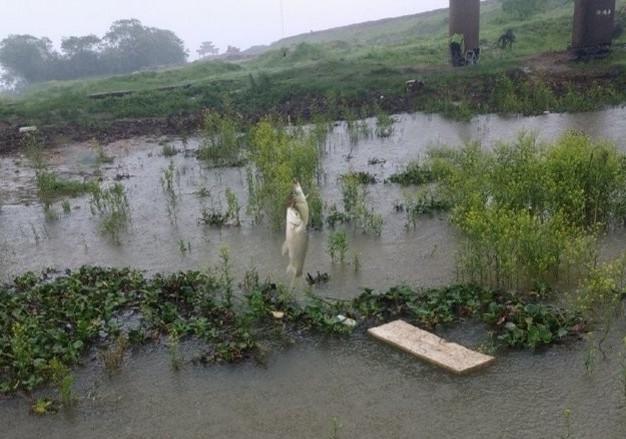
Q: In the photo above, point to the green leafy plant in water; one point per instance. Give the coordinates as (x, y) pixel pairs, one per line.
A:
(384, 125)
(222, 144)
(50, 187)
(233, 207)
(279, 158)
(113, 356)
(529, 212)
(168, 150)
(111, 204)
(173, 349)
(356, 210)
(63, 379)
(337, 246)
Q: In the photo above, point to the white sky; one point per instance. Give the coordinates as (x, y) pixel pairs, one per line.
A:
(241, 23)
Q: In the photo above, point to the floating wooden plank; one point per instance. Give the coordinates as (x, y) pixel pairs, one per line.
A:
(431, 348)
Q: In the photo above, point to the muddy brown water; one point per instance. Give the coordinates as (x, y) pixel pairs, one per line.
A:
(370, 390)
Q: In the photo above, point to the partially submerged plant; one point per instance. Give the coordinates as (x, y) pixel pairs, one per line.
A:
(222, 145)
(111, 204)
(279, 158)
(356, 210)
(337, 246)
(384, 124)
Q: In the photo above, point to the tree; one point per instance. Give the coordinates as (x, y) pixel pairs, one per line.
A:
(207, 48)
(522, 9)
(82, 56)
(232, 50)
(27, 57)
(131, 46)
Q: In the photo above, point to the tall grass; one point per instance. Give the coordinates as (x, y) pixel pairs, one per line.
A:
(280, 157)
(531, 213)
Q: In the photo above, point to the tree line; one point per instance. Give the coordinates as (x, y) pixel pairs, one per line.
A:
(128, 46)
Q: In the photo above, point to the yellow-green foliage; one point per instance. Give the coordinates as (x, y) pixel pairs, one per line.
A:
(530, 212)
(603, 289)
(280, 158)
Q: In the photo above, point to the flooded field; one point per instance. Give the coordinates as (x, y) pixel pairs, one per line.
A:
(356, 387)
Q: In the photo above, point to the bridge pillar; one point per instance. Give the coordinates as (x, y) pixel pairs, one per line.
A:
(464, 20)
(594, 24)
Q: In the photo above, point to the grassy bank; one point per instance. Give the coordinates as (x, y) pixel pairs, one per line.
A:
(336, 74)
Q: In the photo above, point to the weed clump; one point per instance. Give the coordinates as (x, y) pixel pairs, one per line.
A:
(278, 159)
(222, 145)
(531, 213)
(356, 210)
(111, 204)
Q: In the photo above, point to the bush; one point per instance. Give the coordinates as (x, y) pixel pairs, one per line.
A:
(530, 212)
(280, 158)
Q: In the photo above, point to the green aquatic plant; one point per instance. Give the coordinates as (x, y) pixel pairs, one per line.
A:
(168, 150)
(233, 207)
(356, 210)
(222, 144)
(530, 212)
(337, 246)
(202, 306)
(50, 187)
(384, 124)
(279, 158)
(111, 204)
(415, 173)
(113, 357)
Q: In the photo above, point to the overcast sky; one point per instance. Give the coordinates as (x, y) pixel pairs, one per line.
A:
(241, 23)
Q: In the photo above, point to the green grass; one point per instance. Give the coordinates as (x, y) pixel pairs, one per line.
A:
(343, 71)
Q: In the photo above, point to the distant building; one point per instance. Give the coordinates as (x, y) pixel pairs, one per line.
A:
(594, 24)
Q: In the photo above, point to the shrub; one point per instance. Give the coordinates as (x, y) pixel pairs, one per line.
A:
(280, 158)
(530, 212)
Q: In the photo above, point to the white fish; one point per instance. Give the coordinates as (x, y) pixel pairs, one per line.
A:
(296, 236)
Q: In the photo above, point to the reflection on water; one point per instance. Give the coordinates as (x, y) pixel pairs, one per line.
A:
(373, 391)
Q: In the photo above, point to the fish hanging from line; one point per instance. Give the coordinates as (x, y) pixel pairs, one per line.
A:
(296, 235)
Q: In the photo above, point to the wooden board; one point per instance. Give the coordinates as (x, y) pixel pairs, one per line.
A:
(431, 348)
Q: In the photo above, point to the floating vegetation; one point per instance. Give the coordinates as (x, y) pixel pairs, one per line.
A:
(358, 129)
(361, 176)
(111, 204)
(169, 187)
(79, 309)
(184, 247)
(424, 202)
(101, 155)
(113, 357)
(415, 174)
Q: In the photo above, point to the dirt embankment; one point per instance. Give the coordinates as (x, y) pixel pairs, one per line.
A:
(428, 91)
(11, 138)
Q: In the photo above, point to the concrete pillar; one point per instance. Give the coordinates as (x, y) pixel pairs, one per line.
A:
(465, 20)
(594, 23)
